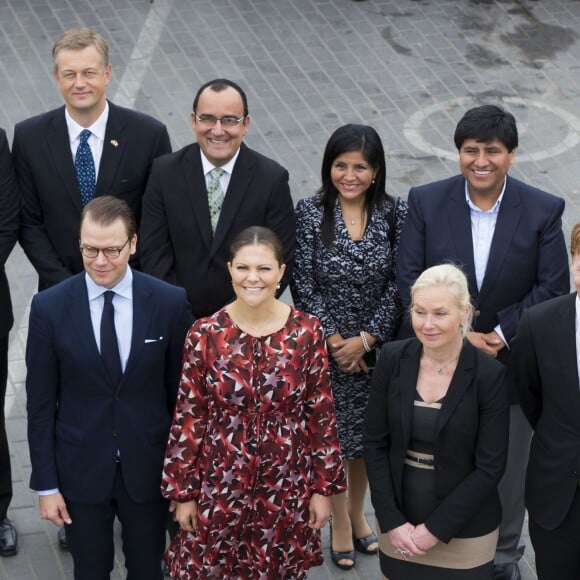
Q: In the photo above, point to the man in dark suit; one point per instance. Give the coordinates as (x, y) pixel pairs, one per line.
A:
(199, 198)
(507, 237)
(103, 371)
(545, 360)
(8, 236)
(116, 156)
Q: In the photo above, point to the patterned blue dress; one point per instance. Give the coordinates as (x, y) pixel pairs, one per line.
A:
(350, 286)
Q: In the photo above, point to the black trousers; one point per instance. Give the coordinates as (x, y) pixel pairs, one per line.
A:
(558, 551)
(5, 473)
(90, 536)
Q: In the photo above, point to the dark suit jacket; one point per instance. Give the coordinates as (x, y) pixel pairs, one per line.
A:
(176, 240)
(77, 419)
(528, 261)
(9, 221)
(470, 441)
(545, 367)
(50, 198)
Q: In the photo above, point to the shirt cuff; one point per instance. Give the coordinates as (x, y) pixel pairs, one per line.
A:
(48, 491)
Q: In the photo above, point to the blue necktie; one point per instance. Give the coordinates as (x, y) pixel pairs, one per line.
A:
(85, 168)
(109, 345)
(215, 196)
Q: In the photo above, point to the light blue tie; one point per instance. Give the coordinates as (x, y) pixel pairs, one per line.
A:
(215, 196)
(85, 168)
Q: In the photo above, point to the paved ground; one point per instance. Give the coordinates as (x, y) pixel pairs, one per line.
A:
(409, 68)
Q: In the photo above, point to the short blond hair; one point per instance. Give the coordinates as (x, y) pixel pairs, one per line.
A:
(79, 38)
(452, 278)
(575, 240)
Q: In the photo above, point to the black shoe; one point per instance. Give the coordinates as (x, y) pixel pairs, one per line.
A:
(8, 538)
(362, 544)
(506, 572)
(62, 541)
(336, 557)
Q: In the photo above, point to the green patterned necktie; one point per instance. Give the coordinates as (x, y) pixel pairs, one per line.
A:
(215, 196)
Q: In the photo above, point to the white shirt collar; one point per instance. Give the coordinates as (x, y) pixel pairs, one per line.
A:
(227, 167)
(98, 128)
(496, 205)
(123, 288)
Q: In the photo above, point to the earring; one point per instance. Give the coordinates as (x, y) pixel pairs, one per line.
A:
(278, 286)
(373, 180)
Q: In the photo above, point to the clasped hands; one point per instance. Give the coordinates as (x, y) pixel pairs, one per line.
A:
(348, 353)
(489, 342)
(409, 540)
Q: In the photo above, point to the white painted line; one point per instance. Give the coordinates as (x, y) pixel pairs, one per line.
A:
(414, 124)
(140, 59)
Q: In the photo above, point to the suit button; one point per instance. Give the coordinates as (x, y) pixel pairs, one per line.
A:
(117, 397)
(114, 433)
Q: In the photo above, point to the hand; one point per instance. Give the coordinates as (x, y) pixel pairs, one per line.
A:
(401, 539)
(186, 515)
(490, 343)
(423, 538)
(53, 507)
(319, 510)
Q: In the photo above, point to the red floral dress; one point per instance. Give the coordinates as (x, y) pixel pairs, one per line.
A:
(253, 437)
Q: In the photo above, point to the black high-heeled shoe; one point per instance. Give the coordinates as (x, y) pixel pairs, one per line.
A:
(362, 544)
(336, 557)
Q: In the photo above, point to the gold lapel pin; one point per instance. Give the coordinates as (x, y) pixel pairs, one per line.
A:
(114, 142)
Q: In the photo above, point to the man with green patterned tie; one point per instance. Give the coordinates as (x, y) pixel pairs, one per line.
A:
(199, 198)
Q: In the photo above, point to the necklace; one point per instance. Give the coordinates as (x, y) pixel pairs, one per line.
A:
(439, 370)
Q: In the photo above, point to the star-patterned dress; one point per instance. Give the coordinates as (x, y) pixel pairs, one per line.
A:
(253, 437)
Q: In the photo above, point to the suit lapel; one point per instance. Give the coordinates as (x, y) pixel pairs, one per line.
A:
(80, 316)
(58, 145)
(507, 223)
(460, 226)
(565, 338)
(141, 322)
(237, 188)
(113, 151)
(197, 191)
(409, 371)
(461, 380)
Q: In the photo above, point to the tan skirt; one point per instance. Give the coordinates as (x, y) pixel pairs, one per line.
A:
(458, 554)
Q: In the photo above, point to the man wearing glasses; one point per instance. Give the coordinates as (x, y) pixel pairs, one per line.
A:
(103, 362)
(199, 198)
(89, 147)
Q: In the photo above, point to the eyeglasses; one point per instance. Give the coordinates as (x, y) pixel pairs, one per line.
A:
(111, 253)
(226, 121)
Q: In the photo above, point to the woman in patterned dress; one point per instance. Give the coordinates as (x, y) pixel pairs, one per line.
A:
(344, 274)
(436, 440)
(253, 452)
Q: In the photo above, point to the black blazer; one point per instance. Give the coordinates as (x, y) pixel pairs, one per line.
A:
(9, 221)
(77, 419)
(50, 198)
(546, 371)
(176, 241)
(470, 443)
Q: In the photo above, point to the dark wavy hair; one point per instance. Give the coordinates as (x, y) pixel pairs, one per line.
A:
(344, 140)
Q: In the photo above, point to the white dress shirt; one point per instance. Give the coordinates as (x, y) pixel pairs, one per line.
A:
(228, 167)
(482, 230)
(95, 141)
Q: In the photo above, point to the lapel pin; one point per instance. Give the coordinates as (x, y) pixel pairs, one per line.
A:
(114, 142)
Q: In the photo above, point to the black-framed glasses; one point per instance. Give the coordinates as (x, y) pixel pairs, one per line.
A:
(225, 121)
(111, 253)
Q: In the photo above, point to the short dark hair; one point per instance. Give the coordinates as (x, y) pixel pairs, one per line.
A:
(256, 235)
(105, 209)
(218, 85)
(485, 124)
(345, 139)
